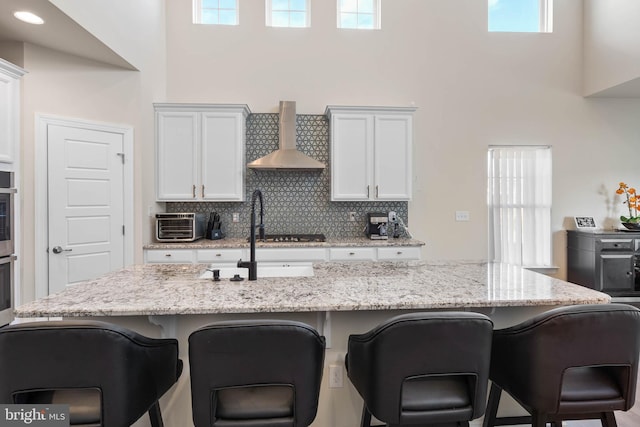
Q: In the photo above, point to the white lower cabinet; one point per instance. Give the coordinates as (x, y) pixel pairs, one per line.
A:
(220, 255)
(232, 255)
(352, 254)
(291, 254)
(161, 256)
(399, 253)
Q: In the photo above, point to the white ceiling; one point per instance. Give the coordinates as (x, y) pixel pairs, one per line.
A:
(59, 32)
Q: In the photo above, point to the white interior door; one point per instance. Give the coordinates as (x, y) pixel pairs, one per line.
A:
(85, 204)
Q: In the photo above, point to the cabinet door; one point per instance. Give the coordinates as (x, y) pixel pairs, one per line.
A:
(176, 151)
(616, 273)
(392, 168)
(165, 256)
(9, 113)
(223, 160)
(351, 156)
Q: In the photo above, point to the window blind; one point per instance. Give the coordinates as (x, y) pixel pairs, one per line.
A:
(519, 200)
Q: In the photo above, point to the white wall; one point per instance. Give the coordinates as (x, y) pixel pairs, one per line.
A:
(472, 89)
(611, 48)
(64, 85)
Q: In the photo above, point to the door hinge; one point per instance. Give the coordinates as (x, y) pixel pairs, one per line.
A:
(121, 157)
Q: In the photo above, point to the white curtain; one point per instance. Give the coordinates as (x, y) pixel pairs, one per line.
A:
(519, 199)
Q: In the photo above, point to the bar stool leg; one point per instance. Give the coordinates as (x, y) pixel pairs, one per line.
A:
(155, 416)
(366, 416)
(492, 406)
(608, 419)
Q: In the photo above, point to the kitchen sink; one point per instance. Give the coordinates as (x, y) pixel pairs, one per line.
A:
(301, 269)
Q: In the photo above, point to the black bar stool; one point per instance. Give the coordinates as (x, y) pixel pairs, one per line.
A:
(108, 375)
(422, 368)
(263, 373)
(576, 362)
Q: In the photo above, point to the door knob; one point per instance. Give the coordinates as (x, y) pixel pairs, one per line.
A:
(58, 249)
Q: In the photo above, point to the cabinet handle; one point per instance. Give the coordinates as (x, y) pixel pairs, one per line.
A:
(218, 255)
(194, 191)
(615, 245)
(376, 191)
(352, 253)
(367, 191)
(167, 255)
(203, 191)
(629, 273)
(399, 253)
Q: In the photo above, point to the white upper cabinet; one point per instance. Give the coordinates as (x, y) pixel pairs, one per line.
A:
(200, 152)
(9, 110)
(371, 153)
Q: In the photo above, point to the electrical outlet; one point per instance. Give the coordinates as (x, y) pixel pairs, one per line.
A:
(352, 216)
(336, 379)
(393, 218)
(462, 216)
(236, 217)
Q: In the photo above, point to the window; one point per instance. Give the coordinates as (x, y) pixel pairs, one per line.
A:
(519, 199)
(525, 16)
(288, 13)
(216, 12)
(359, 14)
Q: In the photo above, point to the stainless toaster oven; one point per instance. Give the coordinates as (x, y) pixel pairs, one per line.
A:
(179, 227)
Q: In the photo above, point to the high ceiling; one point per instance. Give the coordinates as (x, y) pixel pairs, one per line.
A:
(59, 32)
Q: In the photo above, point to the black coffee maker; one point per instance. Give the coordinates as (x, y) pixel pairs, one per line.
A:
(376, 227)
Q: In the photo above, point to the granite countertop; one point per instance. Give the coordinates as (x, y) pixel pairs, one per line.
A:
(231, 243)
(174, 289)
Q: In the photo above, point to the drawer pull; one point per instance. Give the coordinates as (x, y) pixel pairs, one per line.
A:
(399, 253)
(352, 253)
(218, 255)
(167, 255)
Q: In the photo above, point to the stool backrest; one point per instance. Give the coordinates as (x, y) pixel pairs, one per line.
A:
(252, 353)
(415, 345)
(130, 370)
(602, 335)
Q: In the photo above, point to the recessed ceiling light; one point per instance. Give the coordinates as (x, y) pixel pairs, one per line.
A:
(28, 17)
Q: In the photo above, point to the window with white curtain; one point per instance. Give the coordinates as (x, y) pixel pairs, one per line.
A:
(519, 199)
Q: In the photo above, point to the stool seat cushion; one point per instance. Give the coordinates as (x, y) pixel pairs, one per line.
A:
(84, 404)
(435, 393)
(255, 402)
(588, 383)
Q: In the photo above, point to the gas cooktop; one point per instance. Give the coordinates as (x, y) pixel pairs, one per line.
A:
(287, 238)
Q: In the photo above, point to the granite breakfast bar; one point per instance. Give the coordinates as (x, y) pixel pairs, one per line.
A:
(339, 299)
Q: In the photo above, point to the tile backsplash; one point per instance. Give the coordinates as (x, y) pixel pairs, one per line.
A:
(294, 201)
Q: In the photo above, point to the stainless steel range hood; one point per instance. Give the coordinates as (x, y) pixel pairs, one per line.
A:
(287, 156)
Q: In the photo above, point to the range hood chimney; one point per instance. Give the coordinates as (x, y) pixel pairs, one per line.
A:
(287, 156)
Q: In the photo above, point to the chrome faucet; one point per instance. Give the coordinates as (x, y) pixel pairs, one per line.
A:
(252, 265)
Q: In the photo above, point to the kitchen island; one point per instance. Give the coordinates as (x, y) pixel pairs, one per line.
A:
(339, 299)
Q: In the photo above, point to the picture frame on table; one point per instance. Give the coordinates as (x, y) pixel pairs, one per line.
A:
(585, 223)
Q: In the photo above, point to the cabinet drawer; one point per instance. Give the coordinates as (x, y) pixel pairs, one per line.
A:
(169, 256)
(219, 255)
(355, 254)
(291, 254)
(616, 244)
(399, 253)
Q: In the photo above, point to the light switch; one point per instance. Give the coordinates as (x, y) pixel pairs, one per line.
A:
(462, 216)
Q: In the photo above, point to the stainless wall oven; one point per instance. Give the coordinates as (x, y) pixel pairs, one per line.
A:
(7, 257)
